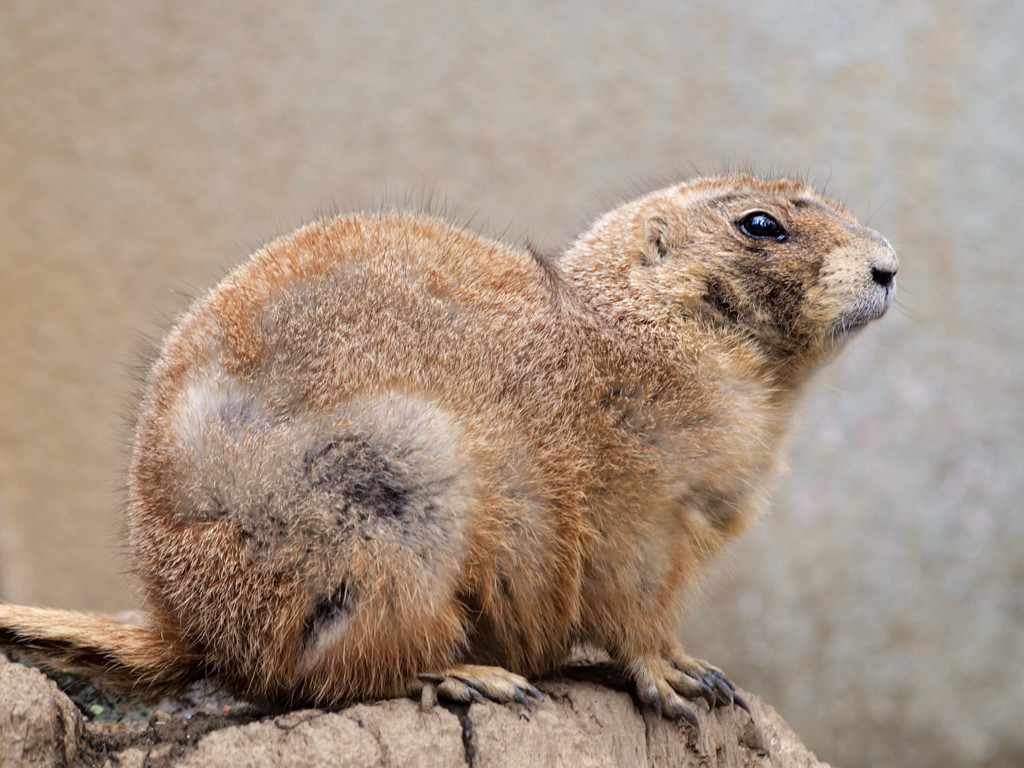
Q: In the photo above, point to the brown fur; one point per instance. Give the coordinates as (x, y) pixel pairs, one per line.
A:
(385, 447)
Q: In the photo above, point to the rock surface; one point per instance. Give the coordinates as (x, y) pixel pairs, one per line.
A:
(39, 726)
(586, 719)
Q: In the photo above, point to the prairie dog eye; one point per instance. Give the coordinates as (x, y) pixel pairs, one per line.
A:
(762, 226)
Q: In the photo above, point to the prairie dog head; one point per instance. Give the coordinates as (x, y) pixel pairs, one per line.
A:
(772, 260)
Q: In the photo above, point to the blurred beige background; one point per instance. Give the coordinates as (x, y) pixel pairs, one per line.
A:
(146, 147)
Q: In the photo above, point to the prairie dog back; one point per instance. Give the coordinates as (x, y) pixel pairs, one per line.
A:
(343, 402)
(387, 451)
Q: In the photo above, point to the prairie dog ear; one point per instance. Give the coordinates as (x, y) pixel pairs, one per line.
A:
(654, 246)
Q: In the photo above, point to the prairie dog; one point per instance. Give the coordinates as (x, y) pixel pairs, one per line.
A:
(386, 450)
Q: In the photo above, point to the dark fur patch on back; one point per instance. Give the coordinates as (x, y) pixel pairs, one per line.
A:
(328, 609)
(353, 468)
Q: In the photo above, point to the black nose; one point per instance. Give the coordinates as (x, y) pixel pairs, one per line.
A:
(883, 276)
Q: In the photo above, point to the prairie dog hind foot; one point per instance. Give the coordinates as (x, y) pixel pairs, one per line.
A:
(471, 682)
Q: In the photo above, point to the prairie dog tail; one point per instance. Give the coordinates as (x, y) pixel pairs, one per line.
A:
(142, 660)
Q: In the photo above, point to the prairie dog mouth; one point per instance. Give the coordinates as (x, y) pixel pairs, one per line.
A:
(870, 307)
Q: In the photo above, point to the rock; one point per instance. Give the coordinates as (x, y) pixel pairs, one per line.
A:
(391, 733)
(39, 726)
(586, 719)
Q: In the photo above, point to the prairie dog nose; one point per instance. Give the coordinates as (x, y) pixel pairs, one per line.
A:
(884, 276)
(885, 265)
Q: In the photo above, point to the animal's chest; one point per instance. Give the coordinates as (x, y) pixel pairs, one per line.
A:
(718, 477)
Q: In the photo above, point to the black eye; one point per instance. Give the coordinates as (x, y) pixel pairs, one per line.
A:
(762, 226)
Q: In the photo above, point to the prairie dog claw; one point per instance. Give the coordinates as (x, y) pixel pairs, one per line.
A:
(470, 682)
(662, 682)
